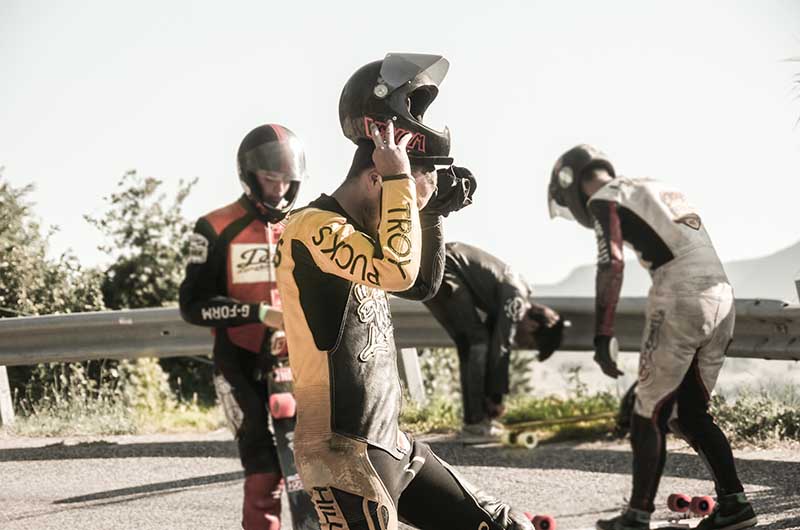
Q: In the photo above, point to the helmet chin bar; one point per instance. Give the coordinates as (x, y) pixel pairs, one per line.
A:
(281, 203)
(556, 210)
(273, 213)
(274, 152)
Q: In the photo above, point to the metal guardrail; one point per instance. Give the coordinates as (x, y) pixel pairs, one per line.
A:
(766, 329)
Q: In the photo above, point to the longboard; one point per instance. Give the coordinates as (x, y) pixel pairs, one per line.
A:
(666, 524)
(524, 434)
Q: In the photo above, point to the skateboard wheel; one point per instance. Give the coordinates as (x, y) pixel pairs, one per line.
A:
(528, 439)
(541, 522)
(702, 505)
(678, 502)
(508, 438)
(282, 405)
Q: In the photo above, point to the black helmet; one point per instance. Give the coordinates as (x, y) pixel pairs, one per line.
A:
(399, 88)
(565, 196)
(276, 150)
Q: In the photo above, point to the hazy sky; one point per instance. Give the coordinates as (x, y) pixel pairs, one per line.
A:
(696, 93)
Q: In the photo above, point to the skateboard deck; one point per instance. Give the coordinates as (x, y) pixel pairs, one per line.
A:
(676, 523)
(524, 434)
(666, 524)
(282, 414)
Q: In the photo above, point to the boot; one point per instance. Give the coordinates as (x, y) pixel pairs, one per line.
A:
(261, 509)
(732, 512)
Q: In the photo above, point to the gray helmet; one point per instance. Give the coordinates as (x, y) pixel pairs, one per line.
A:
(565, 196)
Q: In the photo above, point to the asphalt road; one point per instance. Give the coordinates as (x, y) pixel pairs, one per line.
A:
(194, 481)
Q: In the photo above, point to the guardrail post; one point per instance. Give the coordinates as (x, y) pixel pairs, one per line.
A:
(797, 286)
(410, 371)
(6, 407)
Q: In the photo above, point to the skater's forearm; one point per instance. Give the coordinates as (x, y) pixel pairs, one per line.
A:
(431, 268)
(220, 312)
(610, 265)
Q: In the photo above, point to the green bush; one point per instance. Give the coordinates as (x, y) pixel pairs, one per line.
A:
(439, 415)
(31, 283)
(146, 237)
(146, 240)
(440, 372)
(63, 399)
(439, 367)
(761, 416)
(527, 408)
(101, 398)
(443, 412)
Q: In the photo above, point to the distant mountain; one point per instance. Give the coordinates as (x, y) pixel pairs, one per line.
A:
(770, 276)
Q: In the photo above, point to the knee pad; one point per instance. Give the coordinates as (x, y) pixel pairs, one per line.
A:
(234, 417)
(261, 509)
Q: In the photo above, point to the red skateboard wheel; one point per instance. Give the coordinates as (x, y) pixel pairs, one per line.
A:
(702, 505)
(541, 522)
(544, 522)
(678, 502)
(282, 405)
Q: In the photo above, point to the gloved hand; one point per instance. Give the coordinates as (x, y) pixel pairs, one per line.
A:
(543, 315)
(549, 331)
(605, 354)
(271, 317)
(548, 339)
(454, 190)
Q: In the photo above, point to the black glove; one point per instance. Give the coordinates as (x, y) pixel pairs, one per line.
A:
(606, 355)
(455, 187)
(548, 340)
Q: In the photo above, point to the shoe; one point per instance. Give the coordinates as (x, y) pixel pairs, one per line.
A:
(732, 512)
(630, 519)
(485, 428)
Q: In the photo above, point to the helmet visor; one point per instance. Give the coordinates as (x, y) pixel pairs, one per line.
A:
(279, 161)
(400, 68)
